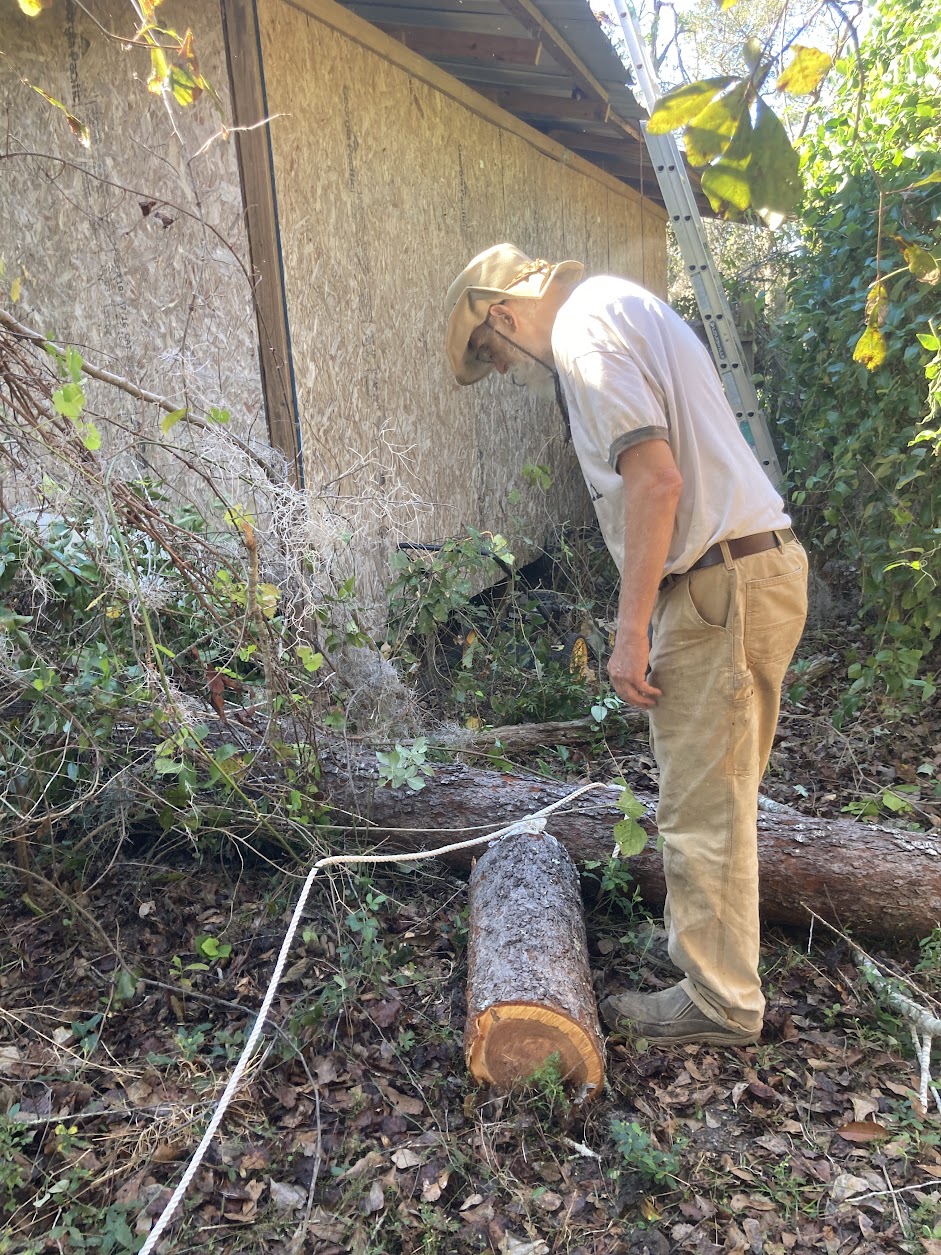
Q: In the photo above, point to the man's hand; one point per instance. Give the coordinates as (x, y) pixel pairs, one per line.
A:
(627, 668)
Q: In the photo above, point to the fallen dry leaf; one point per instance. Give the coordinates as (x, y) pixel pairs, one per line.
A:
(405, 1158)
(374, 1200)
(862, 1131)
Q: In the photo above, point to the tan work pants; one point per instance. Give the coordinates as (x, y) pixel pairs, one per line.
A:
(722, 640)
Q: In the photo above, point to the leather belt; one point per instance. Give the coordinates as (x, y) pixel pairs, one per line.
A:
(740, 547)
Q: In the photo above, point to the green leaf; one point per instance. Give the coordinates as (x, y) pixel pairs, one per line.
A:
(310, 660)
(714, 128)
(91, 437)
(727, 182)
(69, 400)
(73, 364)
(215, 415)
(169, 421)
(870, 349)
(628, 803)
(629, 837)
(751, 53)
(775, 169)
(931, 343)
(806, 72)
(684, 103)
(125, 985)
(931, 178)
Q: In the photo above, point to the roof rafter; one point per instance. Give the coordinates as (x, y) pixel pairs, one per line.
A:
(436, 42)
(530, 17)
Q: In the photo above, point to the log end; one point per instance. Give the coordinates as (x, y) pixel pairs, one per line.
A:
(509, 1041)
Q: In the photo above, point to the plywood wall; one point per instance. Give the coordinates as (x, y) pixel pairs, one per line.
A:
(161, 298)
(387, 185)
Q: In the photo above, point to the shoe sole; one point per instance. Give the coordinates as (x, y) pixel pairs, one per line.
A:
(688, 1039)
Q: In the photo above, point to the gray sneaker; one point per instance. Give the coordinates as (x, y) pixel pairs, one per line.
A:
(670, 1018)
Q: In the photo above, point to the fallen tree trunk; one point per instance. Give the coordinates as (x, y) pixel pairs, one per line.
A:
(866, 878)
(529, 991)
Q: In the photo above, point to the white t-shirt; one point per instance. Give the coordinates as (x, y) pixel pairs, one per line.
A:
(632, 370)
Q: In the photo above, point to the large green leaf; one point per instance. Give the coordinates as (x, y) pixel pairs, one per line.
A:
(727, 181)
(775, 168)
(713, 130)
(806, 72)
(684, 103)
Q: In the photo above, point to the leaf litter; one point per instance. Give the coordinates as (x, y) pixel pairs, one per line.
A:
(359, 1130)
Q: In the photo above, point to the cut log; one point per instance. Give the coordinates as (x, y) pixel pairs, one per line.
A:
(529, 991)
(869, 879)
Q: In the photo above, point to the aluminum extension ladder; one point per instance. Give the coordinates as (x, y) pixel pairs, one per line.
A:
(691, 238)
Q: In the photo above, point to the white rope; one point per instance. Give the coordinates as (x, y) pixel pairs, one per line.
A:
(533, 824)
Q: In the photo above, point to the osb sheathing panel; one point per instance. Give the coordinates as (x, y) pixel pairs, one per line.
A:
(386, 186)
(161, 299)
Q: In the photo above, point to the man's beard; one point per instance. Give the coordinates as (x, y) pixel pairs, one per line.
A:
(534, 376)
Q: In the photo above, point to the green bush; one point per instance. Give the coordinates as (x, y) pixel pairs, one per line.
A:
(865, 480)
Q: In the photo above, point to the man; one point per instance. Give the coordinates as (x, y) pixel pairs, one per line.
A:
(713, 593)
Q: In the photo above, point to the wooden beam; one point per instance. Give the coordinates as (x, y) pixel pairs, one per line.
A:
(437, 44)
(367, 35)
(590, 141)
(253, 147)
(530, 17)
(537, 104)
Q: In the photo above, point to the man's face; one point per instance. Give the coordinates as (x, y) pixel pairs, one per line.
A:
(496, 349)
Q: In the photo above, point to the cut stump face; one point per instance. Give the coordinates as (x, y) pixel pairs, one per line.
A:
(529, 990)
(513, 1040)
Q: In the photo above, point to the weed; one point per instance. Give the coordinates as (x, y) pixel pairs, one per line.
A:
(641, 1154)
(545, 1090)
(404, 765)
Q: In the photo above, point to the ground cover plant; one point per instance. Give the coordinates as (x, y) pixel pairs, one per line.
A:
(176, 674)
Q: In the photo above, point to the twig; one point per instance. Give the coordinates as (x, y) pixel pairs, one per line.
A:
(923, 1025)
(134, 390)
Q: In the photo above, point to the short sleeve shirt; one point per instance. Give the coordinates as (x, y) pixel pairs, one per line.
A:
(632, 370)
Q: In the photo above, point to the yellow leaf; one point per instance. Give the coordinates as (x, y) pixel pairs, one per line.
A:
(683, 103)
(877, 305)
(170, 420)
(33, 8)
(16, 289)
(159, 71)
(870, 349)
(76, 126)
(268, 597)
(649, 1210)
(805, 73)
(924, 267)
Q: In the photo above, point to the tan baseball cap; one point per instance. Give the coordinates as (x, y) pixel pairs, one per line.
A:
(494, 275)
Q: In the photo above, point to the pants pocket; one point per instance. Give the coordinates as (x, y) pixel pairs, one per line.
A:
(775, 611)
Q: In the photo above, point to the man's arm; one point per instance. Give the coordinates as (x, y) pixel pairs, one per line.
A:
(652, 484)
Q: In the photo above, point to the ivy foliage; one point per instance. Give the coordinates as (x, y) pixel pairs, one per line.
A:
(858, 341)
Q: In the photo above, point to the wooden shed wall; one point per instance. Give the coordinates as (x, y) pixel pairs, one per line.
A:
(161, 299)
(390, 175)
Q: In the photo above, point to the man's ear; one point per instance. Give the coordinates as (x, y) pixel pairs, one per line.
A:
(505, 319)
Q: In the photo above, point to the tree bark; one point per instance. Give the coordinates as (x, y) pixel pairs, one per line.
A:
(867, 878)
(529, 990)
